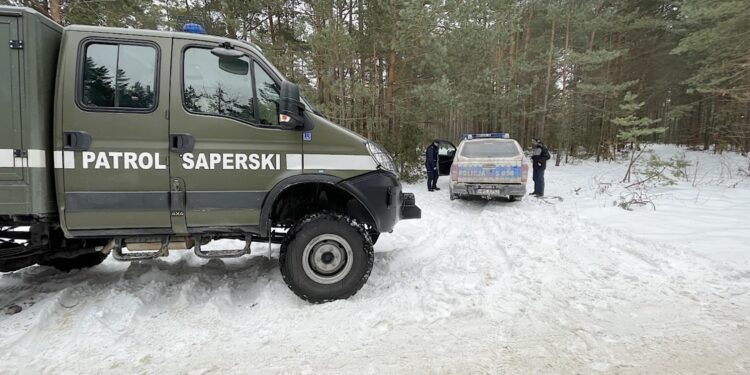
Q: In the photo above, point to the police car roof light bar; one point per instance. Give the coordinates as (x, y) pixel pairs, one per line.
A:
(486, 135)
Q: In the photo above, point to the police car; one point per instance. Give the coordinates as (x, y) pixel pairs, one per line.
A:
(488, 165)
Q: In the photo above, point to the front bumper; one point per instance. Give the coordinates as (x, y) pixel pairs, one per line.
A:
(380, 193)
(488, 190)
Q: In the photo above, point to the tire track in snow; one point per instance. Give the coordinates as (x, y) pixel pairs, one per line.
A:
(472, 287)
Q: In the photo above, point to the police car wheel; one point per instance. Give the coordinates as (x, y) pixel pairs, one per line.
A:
(326, 257)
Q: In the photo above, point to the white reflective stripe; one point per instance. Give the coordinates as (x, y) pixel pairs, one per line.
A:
(33, 159)
(340, 162)
(64, 159)
(6, 159)
(36, 159)
(294, 162)
(57, 159)
(20, 162)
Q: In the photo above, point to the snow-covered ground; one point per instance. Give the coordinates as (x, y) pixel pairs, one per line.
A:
(577, 286)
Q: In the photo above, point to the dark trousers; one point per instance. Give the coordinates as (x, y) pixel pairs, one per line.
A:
(538, 181)
(432, 176)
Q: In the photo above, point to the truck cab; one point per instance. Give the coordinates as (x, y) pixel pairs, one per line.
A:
(161, 140)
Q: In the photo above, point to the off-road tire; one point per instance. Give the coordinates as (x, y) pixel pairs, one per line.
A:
(307, 230)
(82, 261)
(17, 264)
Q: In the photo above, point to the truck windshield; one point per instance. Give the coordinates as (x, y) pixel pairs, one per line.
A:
(490, 149)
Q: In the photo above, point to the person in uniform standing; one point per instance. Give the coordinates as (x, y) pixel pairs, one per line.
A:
(431, 164)
(539, 158)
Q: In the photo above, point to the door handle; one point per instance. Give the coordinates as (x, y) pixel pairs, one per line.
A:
(76, 141)
(181, 143)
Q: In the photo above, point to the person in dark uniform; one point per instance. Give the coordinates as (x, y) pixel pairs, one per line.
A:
(431, 164)
(539, 158)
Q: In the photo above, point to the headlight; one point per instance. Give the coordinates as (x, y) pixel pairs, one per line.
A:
(382, 157)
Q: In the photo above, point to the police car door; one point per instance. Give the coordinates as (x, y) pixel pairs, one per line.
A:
(227, 148)
(114, 150)
(446, 154)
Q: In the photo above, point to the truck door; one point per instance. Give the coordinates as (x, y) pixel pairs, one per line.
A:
(10, 104)
(115, 127)
(227, 148)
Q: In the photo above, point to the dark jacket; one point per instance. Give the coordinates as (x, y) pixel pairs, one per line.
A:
(431, 157)
(540, 157)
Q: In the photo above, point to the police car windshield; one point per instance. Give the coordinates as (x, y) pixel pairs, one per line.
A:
(490, 149)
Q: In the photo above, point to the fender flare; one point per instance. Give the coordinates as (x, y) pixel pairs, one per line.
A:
(299, 179)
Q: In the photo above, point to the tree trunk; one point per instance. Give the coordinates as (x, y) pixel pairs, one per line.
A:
(565, 138)
(271, 28)
(527, 32)
(55, 11)
(391, 80)
(543, 123)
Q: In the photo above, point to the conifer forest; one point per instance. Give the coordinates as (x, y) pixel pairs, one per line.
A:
(589, 77)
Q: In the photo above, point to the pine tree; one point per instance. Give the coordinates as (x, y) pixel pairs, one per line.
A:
(633, 129)
(404, 72)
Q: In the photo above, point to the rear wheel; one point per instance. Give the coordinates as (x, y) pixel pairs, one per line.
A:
(82, 261)
(326, 257)
(14, 264)
(90, 257)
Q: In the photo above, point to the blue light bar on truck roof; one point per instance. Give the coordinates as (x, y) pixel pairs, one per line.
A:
(486, 135)
(193, 28)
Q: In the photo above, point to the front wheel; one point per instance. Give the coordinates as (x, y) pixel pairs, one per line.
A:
(326, 257)
(374, 238)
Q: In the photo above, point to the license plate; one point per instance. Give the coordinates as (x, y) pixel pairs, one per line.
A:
(486, 191)
(500, 171)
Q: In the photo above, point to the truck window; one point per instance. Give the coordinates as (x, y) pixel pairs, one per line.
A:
(490, 149)
(216, 86)
(268, 97)
(118, 76)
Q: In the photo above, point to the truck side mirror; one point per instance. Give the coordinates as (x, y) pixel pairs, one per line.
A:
(291, 109)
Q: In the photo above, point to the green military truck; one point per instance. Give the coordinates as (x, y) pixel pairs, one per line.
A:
(138, 142)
